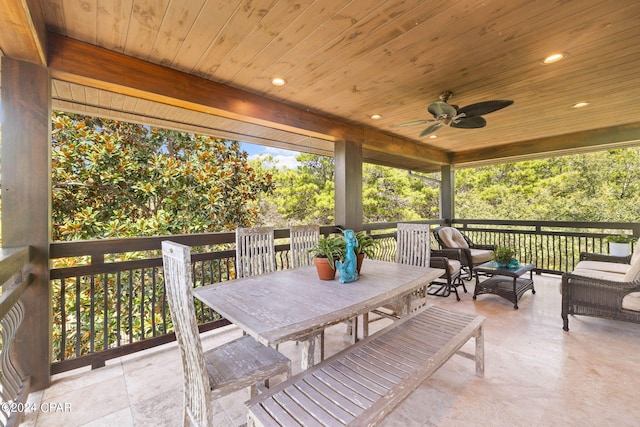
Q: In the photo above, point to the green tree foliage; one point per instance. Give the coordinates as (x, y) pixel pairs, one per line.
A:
(601, 187)
(116, 179)
(390, 194)
(306, 194)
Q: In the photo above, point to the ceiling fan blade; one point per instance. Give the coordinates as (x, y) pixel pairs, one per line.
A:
(431, 129)
(441, 109)
(482, 108)
(469, 122)
(413, 123)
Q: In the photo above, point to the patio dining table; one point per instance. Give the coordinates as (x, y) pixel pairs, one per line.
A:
(295, 304)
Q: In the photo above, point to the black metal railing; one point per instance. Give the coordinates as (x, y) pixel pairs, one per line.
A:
(109, 297)
(553, 246)
(15, 277)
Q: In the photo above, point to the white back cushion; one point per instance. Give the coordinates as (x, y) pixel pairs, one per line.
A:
(634, 272)
(452, 238)
(635, 257)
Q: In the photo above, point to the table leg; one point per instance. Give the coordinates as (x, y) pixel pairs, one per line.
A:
(515, 294)
(405, 305)
(533, 290)
(475, 290)
(307, 351)
(354, 330)
(480, 352)
(365, 325)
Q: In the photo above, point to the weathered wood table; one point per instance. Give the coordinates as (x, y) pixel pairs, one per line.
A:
(294, 304)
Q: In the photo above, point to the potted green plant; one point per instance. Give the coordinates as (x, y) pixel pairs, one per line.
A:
(620, 244)
(366, 247)
(326, 252)
(503, 256)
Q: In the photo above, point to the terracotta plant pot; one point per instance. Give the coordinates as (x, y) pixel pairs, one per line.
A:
(359, 259)
(325, 271)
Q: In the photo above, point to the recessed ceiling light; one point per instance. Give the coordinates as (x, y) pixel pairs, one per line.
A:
(433, 136)
(580, 105)
(554, 58)
(278, 81)
(376, 116)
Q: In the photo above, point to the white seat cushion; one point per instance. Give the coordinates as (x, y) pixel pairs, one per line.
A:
(454, 266)
(631, 301)
(478, 256)
(598, 274)
(612, 267)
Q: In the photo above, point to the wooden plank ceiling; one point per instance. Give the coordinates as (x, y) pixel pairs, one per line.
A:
(344, 61)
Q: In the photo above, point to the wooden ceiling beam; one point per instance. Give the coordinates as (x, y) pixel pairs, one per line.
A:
(77, 62)
(383, 143)
(22, 31)
(592, 140)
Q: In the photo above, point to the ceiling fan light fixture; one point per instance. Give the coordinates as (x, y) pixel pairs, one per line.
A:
(553, 58)
(433, 136)
(278, 81)
(467, 117)
(375, 117)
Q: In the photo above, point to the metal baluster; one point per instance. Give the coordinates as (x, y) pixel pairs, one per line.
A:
(63, 320)
(130, 320)
(105, 313)
(118, 306)
(78, 319)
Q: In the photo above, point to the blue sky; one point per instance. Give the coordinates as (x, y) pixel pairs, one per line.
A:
(281, 156)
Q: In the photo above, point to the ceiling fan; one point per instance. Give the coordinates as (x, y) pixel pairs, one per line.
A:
(469, 117)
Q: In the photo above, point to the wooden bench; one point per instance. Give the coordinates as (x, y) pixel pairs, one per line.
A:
(366, 381)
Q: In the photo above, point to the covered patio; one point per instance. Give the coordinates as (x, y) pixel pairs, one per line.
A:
(536, 375)
(353, 71)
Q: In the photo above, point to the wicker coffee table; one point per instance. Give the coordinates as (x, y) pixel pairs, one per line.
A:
(503, 281)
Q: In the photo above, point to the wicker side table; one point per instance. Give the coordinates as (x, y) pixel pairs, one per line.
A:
(504, 282)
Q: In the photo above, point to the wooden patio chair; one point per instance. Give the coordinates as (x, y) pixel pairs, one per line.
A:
(255, 251)
(413, 248)
(302, 238)
(472, 254)
(209, 375)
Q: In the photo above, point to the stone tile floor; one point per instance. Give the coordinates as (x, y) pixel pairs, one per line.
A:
(536, 375)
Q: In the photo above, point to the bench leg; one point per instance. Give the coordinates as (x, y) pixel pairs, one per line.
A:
(480, 351)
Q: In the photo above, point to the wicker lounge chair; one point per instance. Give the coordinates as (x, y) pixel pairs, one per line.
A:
(472, 254)
(450, 261)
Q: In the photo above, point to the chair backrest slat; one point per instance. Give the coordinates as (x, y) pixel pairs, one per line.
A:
(302, 238)
(255, 251)
(413, 244)
(176, 259)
